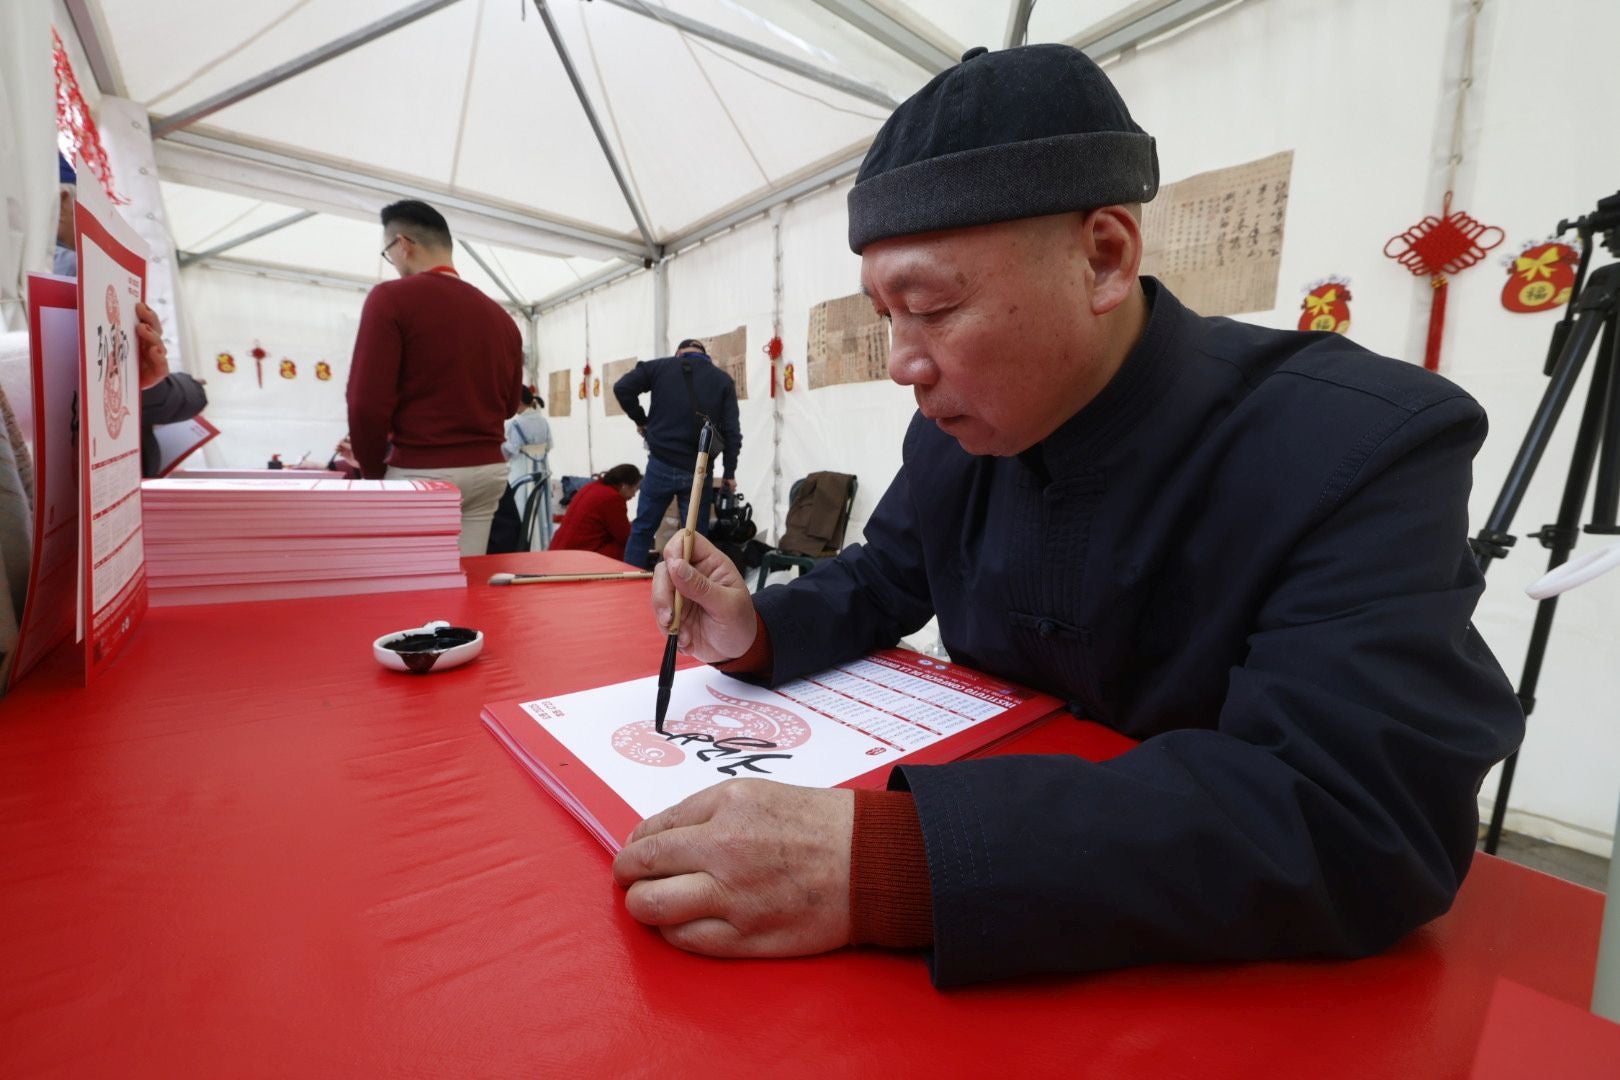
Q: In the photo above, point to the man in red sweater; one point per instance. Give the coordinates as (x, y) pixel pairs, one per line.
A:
(596, 518)
(437, 369)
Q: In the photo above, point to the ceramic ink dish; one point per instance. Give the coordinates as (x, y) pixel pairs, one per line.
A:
(437, 646)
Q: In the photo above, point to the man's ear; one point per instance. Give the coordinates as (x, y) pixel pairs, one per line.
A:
(1112, 241)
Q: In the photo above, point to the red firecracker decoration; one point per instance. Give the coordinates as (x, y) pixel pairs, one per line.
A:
(225, 362)
(258, 355)
(75, 127)
(1326, 306)
(787, 378)
(1436, 247)
(289, 370)
(323, 371)
(1541, 276)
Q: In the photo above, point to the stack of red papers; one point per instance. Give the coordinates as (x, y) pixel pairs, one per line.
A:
(211, 541)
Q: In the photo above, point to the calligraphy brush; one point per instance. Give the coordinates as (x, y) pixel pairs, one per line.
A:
(700, 476)
(542, 579)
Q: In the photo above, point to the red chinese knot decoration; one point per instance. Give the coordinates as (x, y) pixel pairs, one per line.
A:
(1435, 248)
(1541, 277)
(1326, 307)
(76, 128)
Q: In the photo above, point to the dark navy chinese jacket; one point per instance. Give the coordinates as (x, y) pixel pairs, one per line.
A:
(1248, 552)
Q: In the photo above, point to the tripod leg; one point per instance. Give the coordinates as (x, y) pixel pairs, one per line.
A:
(1561, 539)
(1594, 306)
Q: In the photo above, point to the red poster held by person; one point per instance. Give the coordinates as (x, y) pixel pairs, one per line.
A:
(112, 560)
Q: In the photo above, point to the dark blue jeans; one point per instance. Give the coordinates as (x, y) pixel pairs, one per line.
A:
(660, 484)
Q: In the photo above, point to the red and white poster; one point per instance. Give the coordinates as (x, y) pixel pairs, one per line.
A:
(53, 348)
(112, 563)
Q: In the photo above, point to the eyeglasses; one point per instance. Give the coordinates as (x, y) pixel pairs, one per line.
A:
(384, 253)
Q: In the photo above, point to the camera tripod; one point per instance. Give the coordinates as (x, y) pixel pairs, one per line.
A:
(1591, 317)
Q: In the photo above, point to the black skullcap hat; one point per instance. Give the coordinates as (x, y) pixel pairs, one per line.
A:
(1003, 135)
(692, 343)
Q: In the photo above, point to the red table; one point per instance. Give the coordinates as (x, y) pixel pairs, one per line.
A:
(250, 851)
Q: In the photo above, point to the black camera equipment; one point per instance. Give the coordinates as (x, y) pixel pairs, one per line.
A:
(1590, 316)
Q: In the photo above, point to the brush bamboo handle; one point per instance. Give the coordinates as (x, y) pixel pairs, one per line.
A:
(700, 476)
(541, 579)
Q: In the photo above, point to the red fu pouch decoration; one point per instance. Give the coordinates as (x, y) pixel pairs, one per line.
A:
(1541, 276)
(1435, 248)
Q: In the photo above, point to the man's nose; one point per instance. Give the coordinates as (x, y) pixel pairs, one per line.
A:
(909, 361)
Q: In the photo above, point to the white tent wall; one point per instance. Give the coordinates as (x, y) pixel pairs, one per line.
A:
(613, 323)
(230, 312)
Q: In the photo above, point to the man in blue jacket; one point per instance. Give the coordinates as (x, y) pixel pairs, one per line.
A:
(1246, 548)
(686, 389)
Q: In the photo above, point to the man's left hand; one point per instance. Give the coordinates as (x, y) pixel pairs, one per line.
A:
(744, 868)
(729, 483)
(154, 354)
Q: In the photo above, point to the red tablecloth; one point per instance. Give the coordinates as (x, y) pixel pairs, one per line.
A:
(249, 851)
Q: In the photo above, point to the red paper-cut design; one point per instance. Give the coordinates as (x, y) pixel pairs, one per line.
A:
(1541, 277)
(1436, 247)
(1326, 306)
(76, 131)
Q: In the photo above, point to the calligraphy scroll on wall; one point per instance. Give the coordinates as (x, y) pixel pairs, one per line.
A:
(730, 354)
(848, 342)
(560, 392)
(612, 372)
(1215, 239)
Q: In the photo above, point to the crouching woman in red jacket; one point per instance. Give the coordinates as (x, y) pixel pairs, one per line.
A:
(596, 519)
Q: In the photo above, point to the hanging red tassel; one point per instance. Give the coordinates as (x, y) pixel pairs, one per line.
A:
(1437, 322)
(1435, 248)
(773, 349)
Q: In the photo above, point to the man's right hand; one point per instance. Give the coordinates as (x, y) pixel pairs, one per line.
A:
(717, 621)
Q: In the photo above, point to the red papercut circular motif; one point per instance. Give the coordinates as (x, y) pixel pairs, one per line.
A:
(112, 383)
(735, 718)
(1541, 278)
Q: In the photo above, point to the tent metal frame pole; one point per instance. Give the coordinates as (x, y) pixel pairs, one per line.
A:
(802, 68)
(187, 258)
(1018, 23)
(500, 282)
(661, 308)
(831, 174)
(297, 66)
(595, 281)
(393, 188)
(596, 126)
(1141, 22)
(302, 277)
(921, 43)
(92, 35)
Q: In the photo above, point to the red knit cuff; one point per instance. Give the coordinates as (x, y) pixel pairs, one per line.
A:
(889, 899)
(759, 657)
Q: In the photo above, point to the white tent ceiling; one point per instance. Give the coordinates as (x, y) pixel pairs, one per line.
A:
(709, 109)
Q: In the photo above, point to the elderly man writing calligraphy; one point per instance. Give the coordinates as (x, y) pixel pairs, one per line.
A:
(1243, 547)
